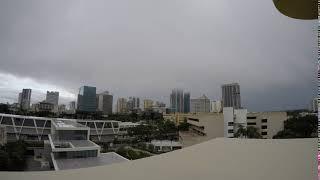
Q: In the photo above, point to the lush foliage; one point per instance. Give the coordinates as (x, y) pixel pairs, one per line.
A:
(131, 153)
(248, 132)
(13, 156)
(299, 127)
(184, 126)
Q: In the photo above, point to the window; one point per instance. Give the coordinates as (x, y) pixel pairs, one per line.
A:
(251, 123)
(48, 124)
(230, 131)
(264, 120)
(18, 121)
(253, 117)
(99, 124)
(107, 125)
(6, 121)
(28, 122)
(264, 133)
(193, 119)
(230, 123)
(264, 127)
(40, 123)
(91, 124)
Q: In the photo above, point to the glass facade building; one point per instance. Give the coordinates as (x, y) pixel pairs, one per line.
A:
(87, 99)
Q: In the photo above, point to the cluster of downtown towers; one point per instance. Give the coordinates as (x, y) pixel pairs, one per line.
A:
(180, 102)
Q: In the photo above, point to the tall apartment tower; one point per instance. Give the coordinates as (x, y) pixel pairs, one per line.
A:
(72, 106)
(105, 103)
(231, 95)
(176, 101)
(53, 98)
(147, 104)
(200, 105)
(25, 99)
(122, 105)
(133, 103)
(87, 99)
(186, 102)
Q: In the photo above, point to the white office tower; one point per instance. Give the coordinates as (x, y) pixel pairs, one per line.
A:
(216, 106)
(233, 119)
(53, 98)
(200, 105)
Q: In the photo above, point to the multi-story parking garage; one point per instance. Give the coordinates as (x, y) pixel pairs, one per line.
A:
(31, 128)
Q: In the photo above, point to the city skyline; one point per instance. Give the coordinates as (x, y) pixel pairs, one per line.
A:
(198, 49)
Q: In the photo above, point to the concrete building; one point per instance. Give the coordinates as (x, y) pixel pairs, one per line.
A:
(314, 105)
(147, 104)
(53, 98)
(62, 108)
(165, 145)
(72, 106)
(133, 104)
(216, 106)
(176, 101)
(213, 125)
(221, 158)
(122, 105)
(231, 95)
(19, 99)
(105, 103)
(87, 99)
(25, 99)
(44, 106)
(200, 105)
(186, 102)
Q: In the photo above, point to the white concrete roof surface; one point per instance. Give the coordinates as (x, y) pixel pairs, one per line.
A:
(217, 159)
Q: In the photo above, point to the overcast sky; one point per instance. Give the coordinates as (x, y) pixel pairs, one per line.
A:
(146, 48)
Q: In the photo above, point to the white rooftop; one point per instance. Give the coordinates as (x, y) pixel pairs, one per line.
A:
(76, 163)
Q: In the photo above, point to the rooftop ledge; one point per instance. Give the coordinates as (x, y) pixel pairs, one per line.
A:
(227, 159)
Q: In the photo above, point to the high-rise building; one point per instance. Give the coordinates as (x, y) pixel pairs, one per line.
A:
(72, 106)
(147, 104)
(122, 105)
(133, 103)
(105, 102)
(215, 106)
(19, 98)
(231, 95)
(186, 102)
(176, 101)
(53, 98)
(200, 105)
(25, 99)
(314, 105)
(87, 99)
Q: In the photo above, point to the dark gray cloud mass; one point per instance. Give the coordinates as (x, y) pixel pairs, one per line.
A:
(147, 47)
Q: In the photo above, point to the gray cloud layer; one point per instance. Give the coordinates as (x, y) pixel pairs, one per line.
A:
(146, 47)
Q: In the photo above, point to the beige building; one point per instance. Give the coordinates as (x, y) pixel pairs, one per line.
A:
(147, 104)
(211, 125)
(122, 105)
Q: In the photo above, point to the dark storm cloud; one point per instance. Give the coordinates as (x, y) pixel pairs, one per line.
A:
(145, 48)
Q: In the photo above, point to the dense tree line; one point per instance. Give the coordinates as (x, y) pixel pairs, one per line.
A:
(249, 132)
(299, 127)
(13, 156)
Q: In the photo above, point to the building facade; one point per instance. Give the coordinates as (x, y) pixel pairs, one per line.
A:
(105, 103)
(133, 103)
(53, 98)
(216, 106)
(186, 102)
(176, 101)
(122, 105)
(87, 99)
(25, 99)
(231, 95)
(200, 105)
(147, 104)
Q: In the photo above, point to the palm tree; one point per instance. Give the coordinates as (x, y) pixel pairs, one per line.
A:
(248, 132)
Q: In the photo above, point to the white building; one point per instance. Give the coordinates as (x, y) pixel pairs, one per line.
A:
(199, 105)
(233, 119)
(314, 105)
(215, 106)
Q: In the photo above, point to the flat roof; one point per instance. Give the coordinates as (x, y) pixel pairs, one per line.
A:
(103, 159)
(68, 124)
(221, 158)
